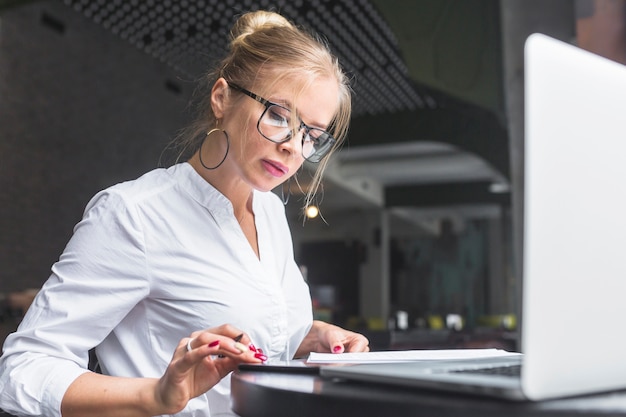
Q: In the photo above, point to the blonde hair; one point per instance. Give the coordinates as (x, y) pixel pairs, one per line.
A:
(267, 49)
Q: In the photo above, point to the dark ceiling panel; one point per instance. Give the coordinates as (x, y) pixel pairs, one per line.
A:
(469, 128)
(191, 35)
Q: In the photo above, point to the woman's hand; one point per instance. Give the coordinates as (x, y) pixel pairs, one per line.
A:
(214, 354)
(325, 337)
(211, 355)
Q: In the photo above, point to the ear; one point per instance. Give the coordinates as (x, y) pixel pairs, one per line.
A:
(218, 97)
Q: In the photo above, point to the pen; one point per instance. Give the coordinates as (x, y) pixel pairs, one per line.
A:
(257, 353)
(238, 345)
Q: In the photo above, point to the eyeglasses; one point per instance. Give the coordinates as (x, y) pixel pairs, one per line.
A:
(275, 125)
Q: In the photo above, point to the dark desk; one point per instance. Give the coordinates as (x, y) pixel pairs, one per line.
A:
(260, 394)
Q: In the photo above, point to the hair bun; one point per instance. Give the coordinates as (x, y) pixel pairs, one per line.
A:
(253, 21)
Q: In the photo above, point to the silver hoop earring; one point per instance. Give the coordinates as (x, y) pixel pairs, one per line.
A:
(225, 155)
(282, 191)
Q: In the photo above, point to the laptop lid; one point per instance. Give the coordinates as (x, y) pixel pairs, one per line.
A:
(574, 268)
(574, 221)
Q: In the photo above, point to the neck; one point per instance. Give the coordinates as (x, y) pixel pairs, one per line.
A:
(238, 192)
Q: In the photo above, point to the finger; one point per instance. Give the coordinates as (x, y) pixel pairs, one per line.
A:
(240, 352)
(358, 344)
(217, 345)
(232, 332)
(234, 342)
(213, 353)
(337, 340)
(240, 339)
(338, 348)
(195, 343)
(350, 342)
(227, 330)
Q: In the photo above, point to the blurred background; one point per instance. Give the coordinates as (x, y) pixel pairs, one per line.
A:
(418, 240)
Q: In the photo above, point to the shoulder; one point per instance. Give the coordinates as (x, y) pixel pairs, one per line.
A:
(127, 195)
(148, 184)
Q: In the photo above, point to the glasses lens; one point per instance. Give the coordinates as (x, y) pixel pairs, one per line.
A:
(274, 123)
(316, 144)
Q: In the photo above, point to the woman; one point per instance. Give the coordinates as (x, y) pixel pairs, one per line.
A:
(156, 260)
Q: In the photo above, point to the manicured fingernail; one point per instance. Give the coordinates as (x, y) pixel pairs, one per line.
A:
(241, 347)
(214, 343)
(252, 348)
(336, 349)
(260, 356)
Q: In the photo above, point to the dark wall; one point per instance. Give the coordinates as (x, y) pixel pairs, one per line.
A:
(335, 263)
(79, 110)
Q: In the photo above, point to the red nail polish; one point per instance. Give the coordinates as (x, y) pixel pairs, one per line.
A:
(215, 343)
(253, 348)
(260, 356)
(336, 349)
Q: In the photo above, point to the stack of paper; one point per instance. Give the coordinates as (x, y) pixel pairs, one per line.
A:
(406, 355)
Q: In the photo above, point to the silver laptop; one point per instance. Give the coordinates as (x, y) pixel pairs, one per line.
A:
(574, 256)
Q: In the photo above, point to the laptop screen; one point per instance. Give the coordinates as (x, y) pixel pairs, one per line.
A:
(574, 220)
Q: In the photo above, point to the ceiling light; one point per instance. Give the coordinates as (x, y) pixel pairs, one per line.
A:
(312, 211)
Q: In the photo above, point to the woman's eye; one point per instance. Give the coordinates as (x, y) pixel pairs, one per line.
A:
(311, 139)
(317, 135)
(278, 117)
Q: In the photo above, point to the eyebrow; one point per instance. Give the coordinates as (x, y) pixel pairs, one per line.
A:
(286, 103)
(313, 124)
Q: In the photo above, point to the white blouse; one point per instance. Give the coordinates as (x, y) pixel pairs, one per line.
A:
(153, 260)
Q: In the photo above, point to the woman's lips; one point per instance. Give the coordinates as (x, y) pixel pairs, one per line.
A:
(275, 168)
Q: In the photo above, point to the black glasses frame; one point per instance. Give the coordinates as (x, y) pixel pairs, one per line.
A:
(315, 156)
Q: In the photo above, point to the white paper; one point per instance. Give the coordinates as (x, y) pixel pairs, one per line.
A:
(406, 355)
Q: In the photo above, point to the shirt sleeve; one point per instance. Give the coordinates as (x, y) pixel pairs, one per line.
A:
(98, 279)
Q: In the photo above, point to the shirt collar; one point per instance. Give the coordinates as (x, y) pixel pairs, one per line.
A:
(199, 189)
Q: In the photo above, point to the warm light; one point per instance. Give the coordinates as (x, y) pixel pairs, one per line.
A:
(312, 212)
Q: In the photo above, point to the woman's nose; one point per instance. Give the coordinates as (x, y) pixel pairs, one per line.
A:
(294, 144)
